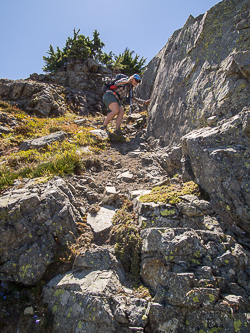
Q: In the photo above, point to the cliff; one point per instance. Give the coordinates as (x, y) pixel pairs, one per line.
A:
(199, 85)
(201, 76)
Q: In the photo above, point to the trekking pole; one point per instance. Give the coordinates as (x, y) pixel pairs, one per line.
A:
(130, 101)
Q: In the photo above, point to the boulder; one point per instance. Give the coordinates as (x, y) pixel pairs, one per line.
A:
(170, 159)
(101, 134)
(79, 300)
(35, 223)
(43, 142)
(220, 161)
(4, 130)
(110, 195)
(101, 223)
(104, 70)
(92, 65)
(81, 122)
(91, 298)
(99, 258)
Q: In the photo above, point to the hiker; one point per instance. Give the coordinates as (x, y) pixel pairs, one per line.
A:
(114, 96)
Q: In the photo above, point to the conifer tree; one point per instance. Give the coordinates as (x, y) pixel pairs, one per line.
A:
(108, 59)
(77, 48)
(129, 65)
(96, 46)
(81, 48)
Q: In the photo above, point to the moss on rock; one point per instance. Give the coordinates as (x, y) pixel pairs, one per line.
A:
(170, 193)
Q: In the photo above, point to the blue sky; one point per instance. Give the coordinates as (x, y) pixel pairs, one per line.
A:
(28, 27)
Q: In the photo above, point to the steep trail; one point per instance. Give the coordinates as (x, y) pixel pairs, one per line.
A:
(127, 164)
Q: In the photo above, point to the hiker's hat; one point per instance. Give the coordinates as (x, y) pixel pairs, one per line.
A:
(137, 78)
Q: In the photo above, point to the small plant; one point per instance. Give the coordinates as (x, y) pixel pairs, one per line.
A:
(84, 138)
(94, 209)
(125, 214)
(128, 241)
(128, 249)
(54, 129)
(44, 318)
(24, 130)
(92, 162)
(143, 292)
(7, 107)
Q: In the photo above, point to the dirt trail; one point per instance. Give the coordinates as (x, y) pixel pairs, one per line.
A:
(127, 164)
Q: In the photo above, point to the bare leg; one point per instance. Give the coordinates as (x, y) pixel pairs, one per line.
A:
(119, 117)
(115, 110)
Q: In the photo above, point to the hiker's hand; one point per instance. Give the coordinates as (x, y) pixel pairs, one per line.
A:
(147, 102)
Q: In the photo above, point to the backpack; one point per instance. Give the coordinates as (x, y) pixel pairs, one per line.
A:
(110, 84)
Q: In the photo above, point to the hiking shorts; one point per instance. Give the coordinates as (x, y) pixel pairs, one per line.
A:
(109, 98)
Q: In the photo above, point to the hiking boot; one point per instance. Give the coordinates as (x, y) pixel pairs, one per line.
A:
(103, 128)
(118, 132)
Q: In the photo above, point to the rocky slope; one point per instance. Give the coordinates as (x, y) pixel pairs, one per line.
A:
(73, 248)
(197, 273)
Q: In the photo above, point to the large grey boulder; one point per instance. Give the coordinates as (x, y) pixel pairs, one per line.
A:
(99, 258)
(219, 159)
(43, 142)
(203, 71)
(4, 130)
(101, 134)
(77, 301)
(35, 222)
(170, 319)
(91, 298)
(92, 65)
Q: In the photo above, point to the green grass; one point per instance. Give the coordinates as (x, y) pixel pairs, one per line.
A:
(67, 163)
(59, 158)
(171, 193)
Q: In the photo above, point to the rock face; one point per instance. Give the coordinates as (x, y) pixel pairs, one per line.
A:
(79, 85)
(35, 97)
(202, 72)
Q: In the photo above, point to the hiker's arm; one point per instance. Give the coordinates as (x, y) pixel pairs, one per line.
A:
(122, 82)
(140, 101)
